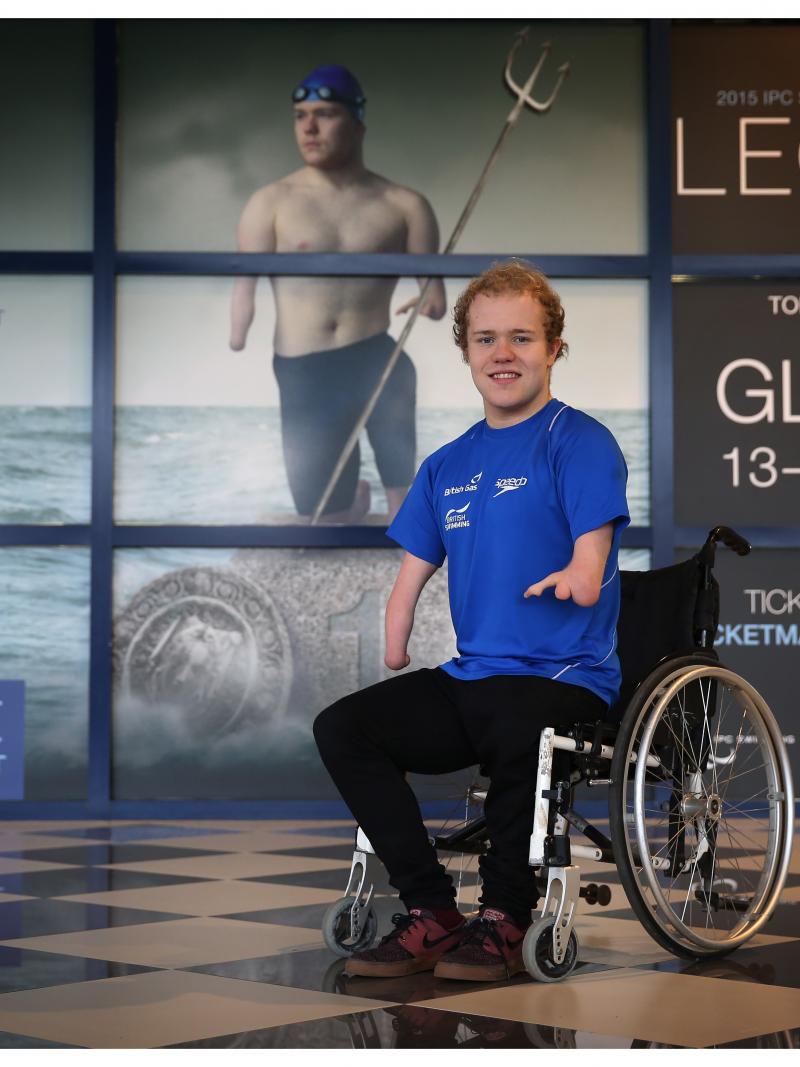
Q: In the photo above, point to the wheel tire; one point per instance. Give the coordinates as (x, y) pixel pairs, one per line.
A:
(660, 923)
(336, 928)
(537, 952)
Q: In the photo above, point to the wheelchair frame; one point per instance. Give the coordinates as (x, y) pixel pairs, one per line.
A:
(550, 948)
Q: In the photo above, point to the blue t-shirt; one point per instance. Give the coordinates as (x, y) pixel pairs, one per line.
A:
(506, 507)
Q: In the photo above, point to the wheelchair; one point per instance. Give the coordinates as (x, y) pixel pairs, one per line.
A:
(700, 798)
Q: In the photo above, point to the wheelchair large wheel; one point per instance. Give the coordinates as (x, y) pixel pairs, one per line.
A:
(701, 820)
(337, 929)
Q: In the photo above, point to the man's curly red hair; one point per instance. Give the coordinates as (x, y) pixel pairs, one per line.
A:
(514, 276)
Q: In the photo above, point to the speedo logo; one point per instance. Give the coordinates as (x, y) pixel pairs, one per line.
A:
(470, 487)
(505, 485)
(455, 520)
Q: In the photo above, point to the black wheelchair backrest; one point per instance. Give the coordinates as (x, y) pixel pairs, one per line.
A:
(662, 613)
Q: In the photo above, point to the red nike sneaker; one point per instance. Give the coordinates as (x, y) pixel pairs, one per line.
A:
(489, 950)
(416, 943)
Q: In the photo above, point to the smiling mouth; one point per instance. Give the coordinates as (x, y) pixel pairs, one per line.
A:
(504, 375)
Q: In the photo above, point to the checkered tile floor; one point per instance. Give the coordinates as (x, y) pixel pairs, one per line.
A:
(207, 935)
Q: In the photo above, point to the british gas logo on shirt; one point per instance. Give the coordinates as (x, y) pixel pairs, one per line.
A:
(470, 487)
(505, 485)
(455, 519)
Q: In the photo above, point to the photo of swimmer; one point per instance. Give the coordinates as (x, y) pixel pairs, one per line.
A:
(333, 330)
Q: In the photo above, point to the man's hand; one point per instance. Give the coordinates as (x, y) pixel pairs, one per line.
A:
(433, 306)
(566, 585)
(582, 578)
(559, 579)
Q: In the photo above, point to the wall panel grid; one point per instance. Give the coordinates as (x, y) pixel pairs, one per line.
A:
(131, 247)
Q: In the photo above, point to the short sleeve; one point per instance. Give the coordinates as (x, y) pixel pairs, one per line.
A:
(591, 475)
(415, 527)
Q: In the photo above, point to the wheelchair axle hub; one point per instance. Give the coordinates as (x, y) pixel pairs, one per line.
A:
(701, 807)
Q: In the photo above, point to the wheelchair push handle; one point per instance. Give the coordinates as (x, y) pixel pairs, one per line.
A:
(729, 537)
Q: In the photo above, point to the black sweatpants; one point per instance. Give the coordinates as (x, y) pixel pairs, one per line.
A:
(428, 722)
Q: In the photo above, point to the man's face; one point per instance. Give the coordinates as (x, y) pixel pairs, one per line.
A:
(509, 356)
(327, 134)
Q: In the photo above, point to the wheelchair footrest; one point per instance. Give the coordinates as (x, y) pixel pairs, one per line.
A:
(471, 838)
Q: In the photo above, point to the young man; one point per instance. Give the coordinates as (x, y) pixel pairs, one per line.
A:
(331, 343)
(528, 506)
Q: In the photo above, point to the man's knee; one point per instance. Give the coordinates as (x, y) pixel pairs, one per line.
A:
(334, 726)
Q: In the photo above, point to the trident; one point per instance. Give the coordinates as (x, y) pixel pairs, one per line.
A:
(523, 99)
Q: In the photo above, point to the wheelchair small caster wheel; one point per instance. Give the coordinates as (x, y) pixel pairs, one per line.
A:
(337, 928)
(537, 952)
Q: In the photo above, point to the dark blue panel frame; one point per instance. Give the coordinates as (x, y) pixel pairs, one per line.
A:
(104, 283)
(105, 264)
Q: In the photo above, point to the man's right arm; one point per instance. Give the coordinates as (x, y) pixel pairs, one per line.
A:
(256, 233)
(411, 579)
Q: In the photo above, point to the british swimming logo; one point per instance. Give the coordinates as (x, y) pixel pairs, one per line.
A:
(470, 487)
(455, 518)
(505, 485)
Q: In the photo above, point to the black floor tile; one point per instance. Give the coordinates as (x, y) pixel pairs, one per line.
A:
(371, 1029)
(21, 1041)
(407, 1027)
(319, 969)
(766, 965)
(347, 833)
(785, 919)
(331, 852)
(782, 1039)
(36, 918)
(308, 916)
(92, 855)
(143, 832)
(27, 969)
(335, 879)
(69, 881)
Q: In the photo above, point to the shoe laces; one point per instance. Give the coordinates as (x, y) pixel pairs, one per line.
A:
(402, 922)
(479, 929)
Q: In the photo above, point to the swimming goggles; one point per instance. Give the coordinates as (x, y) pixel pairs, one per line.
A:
(326, 92)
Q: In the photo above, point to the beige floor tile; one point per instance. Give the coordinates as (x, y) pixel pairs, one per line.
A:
(621, 942)
(209, 898)
(12, 865)
(180, 943)
(163, 1008)
(256, 840)
(654, 1006)
(232, 865)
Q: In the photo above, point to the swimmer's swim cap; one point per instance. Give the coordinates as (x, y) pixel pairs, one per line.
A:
(333, 82)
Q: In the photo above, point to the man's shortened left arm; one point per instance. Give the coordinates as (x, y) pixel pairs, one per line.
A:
(582, 578)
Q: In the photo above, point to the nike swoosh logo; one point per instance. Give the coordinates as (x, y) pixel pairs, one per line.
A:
(427, 943)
